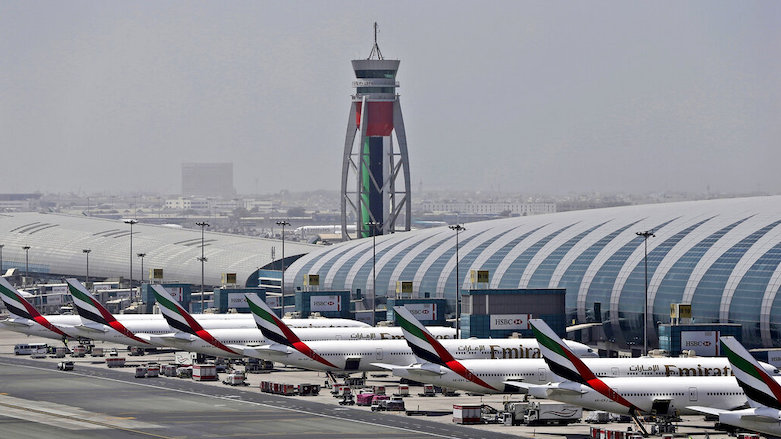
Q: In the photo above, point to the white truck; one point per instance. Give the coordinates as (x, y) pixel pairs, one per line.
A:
(551, 413)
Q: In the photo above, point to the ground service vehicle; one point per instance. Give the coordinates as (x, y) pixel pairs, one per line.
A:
(31, 348)
(65, 365)
(551, 413)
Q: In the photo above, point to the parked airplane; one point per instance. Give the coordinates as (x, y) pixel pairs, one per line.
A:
(435, 365)
(189, 329)
(188, 339)
(358, 356)
(762, 390)
(98, 323)
(26, 319)
(633, 395)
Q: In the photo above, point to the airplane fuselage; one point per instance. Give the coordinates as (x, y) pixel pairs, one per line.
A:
(664, 396)
(535, 371)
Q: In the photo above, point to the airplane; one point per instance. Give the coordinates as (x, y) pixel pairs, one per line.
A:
(762, 390)
(667, 396)
(26, 319)
(436, 366)
(97, 322)
(188, 338)
(188, 328)
(361, 356)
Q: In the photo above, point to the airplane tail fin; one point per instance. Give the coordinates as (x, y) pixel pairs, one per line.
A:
(176, 316)
(760, 388)
(564, 363)
(559, 357)
(181, 320)
(427, 348)
(423, 344)
(93, 311)
(18, 306)
(274, 329)
(86, 306)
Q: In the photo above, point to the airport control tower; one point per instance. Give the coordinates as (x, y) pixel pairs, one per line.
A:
(375, 172)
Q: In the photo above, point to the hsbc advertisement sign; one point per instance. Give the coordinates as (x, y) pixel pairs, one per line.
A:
(422, 311)
(237, 301)
(325, 303)
(703, 343)
(510, 321)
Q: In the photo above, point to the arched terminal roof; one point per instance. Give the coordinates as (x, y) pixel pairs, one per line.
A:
(57, 242)
(722, 256)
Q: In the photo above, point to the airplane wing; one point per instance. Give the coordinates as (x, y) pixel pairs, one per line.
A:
(415, 369)
(546, 390)
(761, 414)
(19, 323)
(706, 410)
(387, 366)
(274, 350)
(91, 328)
(172, 337)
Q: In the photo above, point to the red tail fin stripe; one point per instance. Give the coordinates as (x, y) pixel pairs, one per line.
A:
(769, 382)
(306, 350)
(594, 382)
(459, 368)
(41, 320)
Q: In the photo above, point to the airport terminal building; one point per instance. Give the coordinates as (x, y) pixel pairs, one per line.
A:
(56, 247)
(721, 256)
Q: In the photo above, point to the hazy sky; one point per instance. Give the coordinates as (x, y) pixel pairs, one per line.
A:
(514, 96)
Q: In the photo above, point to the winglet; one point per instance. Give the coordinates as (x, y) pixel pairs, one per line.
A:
(274, 329)
(564, 363)
(427, 348)
(20, 307)
(92, 310)
(181, 320)
(760, 388)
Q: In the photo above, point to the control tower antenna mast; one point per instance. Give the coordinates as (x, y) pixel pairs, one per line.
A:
(375, 47)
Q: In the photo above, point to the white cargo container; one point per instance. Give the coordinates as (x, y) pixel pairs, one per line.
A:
(152, 370)
(466, 414)
(115, 361)
(204, 372)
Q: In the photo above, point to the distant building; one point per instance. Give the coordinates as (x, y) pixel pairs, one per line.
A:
(19, 202)
(207, 180)
(514, 208)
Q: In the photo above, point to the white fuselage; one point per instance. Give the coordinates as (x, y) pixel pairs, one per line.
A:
(358, 356)
(151, 324)
(535, 371)
(253, 337)
(663, 395)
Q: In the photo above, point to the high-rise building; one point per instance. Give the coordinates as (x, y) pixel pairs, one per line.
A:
(207, 180)
(375, 173)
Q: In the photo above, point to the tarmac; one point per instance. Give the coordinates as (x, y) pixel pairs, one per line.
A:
(94, 401)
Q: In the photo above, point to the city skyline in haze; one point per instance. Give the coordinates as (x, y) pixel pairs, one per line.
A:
(513, 97)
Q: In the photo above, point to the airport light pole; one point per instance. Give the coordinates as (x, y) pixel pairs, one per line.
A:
(283, 224)
(374, 225)
(131, 222)
(26, 249)
(458, 228)
(141, 255)
(203, 225)
(646, 234)
(86, 252)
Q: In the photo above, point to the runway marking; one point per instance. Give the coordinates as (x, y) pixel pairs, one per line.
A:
(77, 420)
(338, 418)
